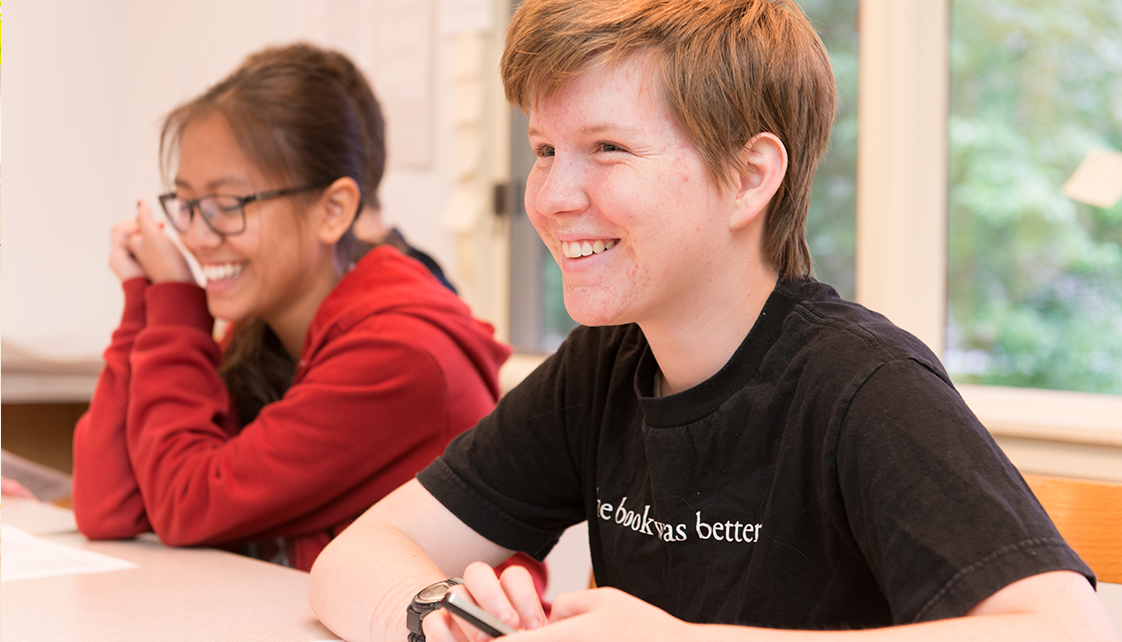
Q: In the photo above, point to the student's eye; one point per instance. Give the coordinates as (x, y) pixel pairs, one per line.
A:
(543, 151)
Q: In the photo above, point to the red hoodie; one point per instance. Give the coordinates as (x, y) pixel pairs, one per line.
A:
(393, 368)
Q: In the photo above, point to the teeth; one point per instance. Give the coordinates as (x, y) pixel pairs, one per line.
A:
(218, 272)
(577, 249)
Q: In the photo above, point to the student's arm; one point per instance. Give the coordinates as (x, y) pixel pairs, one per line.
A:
(367, 412)
(1051, 606)
(363, 581)
(105, 496)
(106, 499)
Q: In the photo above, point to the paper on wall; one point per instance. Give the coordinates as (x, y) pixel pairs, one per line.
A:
(468, 146)
(467, 56)
(1098, 179)
(466, 16)
(464, 208)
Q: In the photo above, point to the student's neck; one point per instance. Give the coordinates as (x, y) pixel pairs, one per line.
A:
(291, 325)
(692, 346)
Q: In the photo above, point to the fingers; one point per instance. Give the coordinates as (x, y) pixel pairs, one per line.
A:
(488, 593)
(123, 229)
(155, 252)
(513, 599)
(13, 488)
(439, 626)
(121, 259)
(144, 219)
(569, 605)
(148, 229)
(518, 585)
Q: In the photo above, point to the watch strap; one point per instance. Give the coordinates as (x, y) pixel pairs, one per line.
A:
(420, 607)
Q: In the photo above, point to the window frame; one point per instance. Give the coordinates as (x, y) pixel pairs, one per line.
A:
(902, 182)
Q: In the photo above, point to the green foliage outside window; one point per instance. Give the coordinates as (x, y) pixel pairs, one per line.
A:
(831, 228)
(1035, 291)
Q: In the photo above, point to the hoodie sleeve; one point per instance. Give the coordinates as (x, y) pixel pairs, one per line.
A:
(106, 499)
(377, 401)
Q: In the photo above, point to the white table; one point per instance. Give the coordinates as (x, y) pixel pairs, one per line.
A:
(175, 594)
(178, 594)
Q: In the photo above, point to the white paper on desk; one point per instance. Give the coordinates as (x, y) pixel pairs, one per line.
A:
(27, 557)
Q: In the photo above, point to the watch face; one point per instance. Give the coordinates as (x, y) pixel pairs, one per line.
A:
(435, 592)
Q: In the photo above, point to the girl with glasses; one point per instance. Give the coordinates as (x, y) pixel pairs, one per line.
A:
(347, 369)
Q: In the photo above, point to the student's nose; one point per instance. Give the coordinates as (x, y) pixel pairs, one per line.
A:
(559, 188)
(199, 236)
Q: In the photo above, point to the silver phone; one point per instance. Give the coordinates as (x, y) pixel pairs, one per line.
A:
(462, 606)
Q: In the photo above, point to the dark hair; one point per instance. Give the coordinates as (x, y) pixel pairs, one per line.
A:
(730, 69)
(305, 115)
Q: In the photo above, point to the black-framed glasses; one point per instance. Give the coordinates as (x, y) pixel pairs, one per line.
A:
(224, 214)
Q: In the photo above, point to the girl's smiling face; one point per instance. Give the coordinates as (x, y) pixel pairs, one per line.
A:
(266, 271)
(623, 200)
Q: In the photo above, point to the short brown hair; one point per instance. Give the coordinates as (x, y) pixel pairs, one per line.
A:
(730, 69)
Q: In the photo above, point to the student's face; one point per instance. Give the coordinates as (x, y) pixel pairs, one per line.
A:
(265, 270)
(615, 174)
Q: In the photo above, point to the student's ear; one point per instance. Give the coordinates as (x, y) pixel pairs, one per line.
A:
(763, 166)
(339, 206)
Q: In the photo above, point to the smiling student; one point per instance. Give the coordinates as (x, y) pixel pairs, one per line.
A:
(756, 458)
(347, 368)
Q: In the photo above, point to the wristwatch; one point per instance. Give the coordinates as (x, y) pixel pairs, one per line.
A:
(425, 602)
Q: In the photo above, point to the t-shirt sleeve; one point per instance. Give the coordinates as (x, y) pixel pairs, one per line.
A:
(516, 477)
(944, 519)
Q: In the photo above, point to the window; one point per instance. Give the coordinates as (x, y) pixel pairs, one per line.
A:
(831, 227)
(910, 147)
(538, 321)
(1035, 277)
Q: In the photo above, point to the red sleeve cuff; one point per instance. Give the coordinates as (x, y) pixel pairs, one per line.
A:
(178, 304)
(134, 299)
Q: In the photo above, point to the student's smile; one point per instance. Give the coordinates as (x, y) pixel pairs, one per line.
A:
(585, 247)
(221, 275)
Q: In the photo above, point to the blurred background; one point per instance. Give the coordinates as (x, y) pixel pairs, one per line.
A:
(971, 192)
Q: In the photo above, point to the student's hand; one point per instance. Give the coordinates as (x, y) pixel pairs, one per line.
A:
(121, 260)
(12, 488)
(156, 254)
(511, 597)
(610, 614)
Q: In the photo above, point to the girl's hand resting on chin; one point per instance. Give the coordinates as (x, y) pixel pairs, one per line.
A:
(139, 248)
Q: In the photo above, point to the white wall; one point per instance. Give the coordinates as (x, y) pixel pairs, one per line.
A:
(86, 85)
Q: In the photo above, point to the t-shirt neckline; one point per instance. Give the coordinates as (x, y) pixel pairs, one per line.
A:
(690, 406)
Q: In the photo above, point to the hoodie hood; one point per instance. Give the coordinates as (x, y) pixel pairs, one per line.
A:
(386, 281)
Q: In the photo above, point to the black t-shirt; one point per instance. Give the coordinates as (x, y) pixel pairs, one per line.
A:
(829, 476)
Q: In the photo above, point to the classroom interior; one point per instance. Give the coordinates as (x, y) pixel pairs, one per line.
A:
(87, 84)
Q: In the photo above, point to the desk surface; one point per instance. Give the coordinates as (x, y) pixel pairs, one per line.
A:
(178, 594)
(175, 594)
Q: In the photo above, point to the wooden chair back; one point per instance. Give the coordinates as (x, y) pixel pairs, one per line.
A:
(1089, 516)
